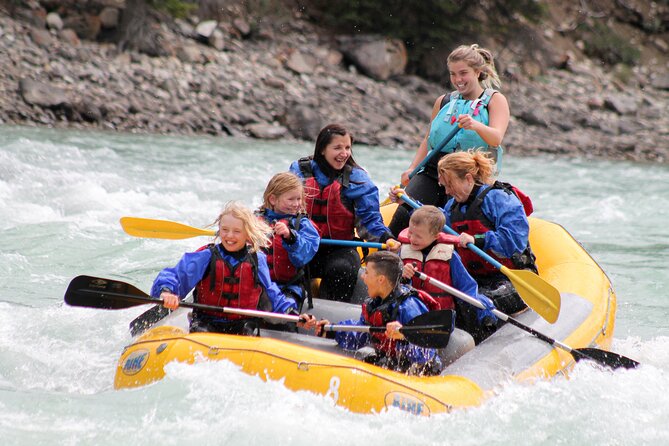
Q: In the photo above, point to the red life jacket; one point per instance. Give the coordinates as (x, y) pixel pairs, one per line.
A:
(281, 269)
(228, 286)
(324, 205)
(379, 314)
(437, 264)
(474, 222)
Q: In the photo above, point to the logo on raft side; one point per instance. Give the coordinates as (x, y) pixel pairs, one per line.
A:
(407, 403)
(135, 362)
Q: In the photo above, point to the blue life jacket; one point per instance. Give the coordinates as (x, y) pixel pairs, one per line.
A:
(446, 120)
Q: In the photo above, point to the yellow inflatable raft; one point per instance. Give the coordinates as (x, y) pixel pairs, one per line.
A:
(305, 362)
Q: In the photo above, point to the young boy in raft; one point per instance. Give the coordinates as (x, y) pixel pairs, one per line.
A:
(232, 273)
(427, 249)
(294, 240)
(390, 304)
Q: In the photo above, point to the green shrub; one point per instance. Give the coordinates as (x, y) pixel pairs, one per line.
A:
(603, 43)
(423, 25)
(176, 8)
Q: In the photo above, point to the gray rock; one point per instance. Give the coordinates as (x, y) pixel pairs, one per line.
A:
(41, 37)
(70, 37)
(301, 63)
(217, 40)
(206, 29)
(303, 122)
(188, 53)
(378, 57)
(266, 131)
(54, 21)
(661, 81)
(623, 105)
(42, 94)
(109, 18)
(242, 26)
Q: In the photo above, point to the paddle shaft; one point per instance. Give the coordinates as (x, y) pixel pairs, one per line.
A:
(429, 330)
(353, 243)
(434, 152)
(608, 359)
(165, 229)
(369, 329)
(138, 300)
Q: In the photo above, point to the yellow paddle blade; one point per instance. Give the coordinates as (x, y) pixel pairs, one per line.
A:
(387, 201)
(538, 294)
(164, 229)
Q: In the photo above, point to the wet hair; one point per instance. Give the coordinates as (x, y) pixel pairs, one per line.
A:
(280, 184)
(478, 59)
(429, 216)
(257, 231)
(387, 264)
(324, 138)
(475, 162)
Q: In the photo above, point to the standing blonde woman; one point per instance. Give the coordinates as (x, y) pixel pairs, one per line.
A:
(475, 107)
(232, 273)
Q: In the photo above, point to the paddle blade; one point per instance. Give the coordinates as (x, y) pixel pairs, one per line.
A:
(608, 359)
(163, 229)
(94, 292)
(431, 330)
(147, 319)
(538, 294)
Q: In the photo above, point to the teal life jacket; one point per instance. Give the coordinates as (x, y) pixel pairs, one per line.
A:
(446, 120)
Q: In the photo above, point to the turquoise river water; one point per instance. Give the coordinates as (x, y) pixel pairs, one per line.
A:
(62, 194)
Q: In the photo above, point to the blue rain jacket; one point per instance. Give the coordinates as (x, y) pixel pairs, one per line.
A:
(409, 309)
(505, 211)
(182, 278)
(305, 246)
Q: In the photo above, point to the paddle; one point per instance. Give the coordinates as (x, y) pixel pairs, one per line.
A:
(431, 154)
(431, 330)
(538, 294)
(170, 230)
(94, 292)
(608, 359)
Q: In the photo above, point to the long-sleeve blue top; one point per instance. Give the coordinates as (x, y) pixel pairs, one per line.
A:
(409, 308)
(306, 240)
(182, 278)
(505, 211)
(364, 195)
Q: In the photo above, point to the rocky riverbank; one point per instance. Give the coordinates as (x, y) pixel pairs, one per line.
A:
(286, 80)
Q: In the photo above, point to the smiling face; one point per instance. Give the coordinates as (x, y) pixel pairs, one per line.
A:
(465, 79)
(338, 151)
(420, 236)
(288, 203)
(232, 233)
(458, 188)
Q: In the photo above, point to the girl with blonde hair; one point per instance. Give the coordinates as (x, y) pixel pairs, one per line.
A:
(473, 115)
(294, 239)
(230, 273)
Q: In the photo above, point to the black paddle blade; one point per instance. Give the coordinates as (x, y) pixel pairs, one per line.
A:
(95, 292)
(608, 359)
(147, 319)
(431, 330)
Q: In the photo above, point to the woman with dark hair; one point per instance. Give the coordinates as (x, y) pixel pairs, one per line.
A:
(340, 198)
